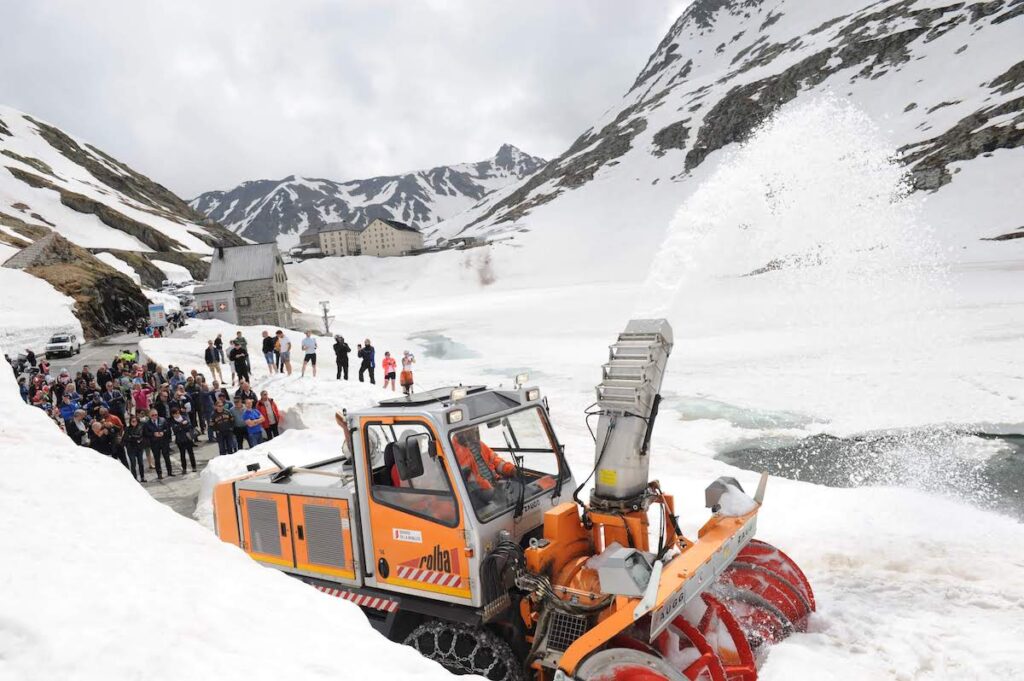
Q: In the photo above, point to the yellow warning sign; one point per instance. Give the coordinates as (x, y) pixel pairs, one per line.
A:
(607, 476)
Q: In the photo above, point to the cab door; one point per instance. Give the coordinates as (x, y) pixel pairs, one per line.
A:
(417, 526)
(266, 534)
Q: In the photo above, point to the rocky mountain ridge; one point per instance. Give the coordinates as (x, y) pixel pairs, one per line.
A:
(944, 78)
(263, 210)
(63, 201)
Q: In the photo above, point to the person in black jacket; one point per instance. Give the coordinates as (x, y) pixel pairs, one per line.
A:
(366, 353)
(223, 425)
(341, 350)
(158, 433)
(181, 426)
(240, 358)
(114, 399)
(100, 438)
(135, 442)
(268, 352)
(245, 392)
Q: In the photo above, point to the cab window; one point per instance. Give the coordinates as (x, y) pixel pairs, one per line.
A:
(506, 460)
(428, 495)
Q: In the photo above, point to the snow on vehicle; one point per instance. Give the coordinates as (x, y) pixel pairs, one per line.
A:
(454, 521)
(63, 344)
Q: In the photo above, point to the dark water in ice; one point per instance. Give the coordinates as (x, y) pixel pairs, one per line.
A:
(436, 345)
(984, 469)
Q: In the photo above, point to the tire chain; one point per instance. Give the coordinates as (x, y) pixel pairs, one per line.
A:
(465, 650)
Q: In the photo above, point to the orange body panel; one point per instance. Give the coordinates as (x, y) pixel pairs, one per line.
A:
(298, 519)
(286, 557)
(224, 515)
(629, 529)
(567, 539)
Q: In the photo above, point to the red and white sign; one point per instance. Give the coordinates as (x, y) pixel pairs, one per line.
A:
(416, 574)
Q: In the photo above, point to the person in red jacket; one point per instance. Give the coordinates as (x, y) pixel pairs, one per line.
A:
(272, 418)
(390, 367)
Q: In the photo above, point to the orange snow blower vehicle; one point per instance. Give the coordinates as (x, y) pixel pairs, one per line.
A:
(452, 519)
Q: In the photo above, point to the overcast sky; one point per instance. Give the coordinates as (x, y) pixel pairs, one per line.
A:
(204, 94)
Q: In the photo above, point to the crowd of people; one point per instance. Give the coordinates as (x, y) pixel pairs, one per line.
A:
(276, 349)
(134, 411)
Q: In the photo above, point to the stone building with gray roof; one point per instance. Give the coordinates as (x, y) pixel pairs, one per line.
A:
(247, 286)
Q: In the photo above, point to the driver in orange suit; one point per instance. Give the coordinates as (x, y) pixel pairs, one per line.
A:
(478, 462)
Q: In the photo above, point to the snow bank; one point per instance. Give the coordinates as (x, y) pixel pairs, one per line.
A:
(31, 311)
(100, 581)
(173, 272)
(120, 265)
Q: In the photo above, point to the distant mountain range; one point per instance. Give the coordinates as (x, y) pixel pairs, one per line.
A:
(265, 210)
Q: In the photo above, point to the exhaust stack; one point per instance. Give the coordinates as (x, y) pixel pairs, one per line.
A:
(628, 398)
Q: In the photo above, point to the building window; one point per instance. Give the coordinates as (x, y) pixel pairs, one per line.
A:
(222, 306)
(206, 306)
(243, 301)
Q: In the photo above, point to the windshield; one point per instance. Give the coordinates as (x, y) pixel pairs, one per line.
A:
(59, 339)
(507, 459)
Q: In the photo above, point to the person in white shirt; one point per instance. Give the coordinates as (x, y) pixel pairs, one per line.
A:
(309, 352)
(286, 351)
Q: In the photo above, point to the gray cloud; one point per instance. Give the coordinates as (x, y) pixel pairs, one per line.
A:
(202, 95)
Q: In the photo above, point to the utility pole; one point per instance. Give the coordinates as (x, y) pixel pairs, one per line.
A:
(325, 305)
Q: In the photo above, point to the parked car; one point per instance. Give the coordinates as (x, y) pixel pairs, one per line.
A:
(63, 344)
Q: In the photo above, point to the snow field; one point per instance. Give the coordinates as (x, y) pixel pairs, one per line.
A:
(174, 273)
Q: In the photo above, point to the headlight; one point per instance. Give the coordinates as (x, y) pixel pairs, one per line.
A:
(533, 394)
(455, 415)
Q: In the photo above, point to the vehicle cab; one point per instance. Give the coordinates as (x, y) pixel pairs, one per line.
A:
(426, 487)
(442, 473)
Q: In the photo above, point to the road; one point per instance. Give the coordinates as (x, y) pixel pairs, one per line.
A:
(181, 491)
(94, 353)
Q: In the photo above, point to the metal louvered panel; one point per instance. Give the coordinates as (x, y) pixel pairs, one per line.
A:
(263, 529)
(324, 541)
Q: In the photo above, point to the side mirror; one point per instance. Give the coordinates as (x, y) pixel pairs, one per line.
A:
(409, 455)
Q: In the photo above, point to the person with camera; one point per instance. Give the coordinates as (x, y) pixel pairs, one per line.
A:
(341, 350)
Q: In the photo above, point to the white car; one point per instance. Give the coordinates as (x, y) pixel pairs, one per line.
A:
(63, 344)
